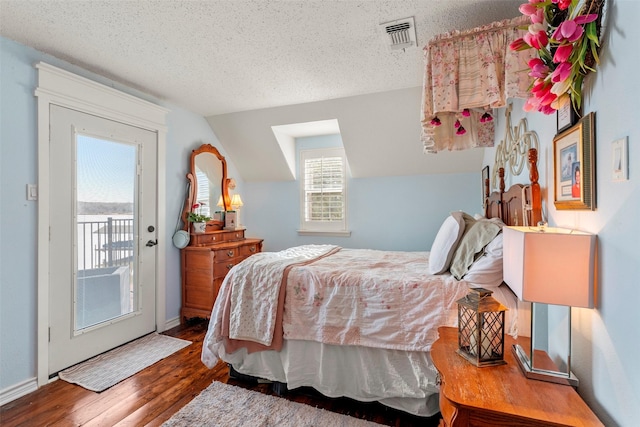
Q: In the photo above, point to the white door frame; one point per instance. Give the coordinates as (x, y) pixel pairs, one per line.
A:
(60, 87)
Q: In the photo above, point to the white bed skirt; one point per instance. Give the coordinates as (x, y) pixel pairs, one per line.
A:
(404, 380)
(400, 379)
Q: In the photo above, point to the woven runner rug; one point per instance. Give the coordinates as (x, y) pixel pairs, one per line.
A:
(225, 405)
(108, 369)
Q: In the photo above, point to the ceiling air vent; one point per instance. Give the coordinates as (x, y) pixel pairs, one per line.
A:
(400, 34)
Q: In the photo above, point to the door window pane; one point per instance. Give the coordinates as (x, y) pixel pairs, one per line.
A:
(105, 250)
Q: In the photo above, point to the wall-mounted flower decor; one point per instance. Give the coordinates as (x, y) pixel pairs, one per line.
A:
(566, 35)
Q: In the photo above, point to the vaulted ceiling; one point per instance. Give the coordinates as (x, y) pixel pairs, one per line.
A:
(249, 65)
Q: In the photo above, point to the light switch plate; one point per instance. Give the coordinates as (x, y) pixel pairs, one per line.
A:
(620, 160)
(32, 192)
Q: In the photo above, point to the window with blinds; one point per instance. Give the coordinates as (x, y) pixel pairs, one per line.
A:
(323, 190)
(202, 198)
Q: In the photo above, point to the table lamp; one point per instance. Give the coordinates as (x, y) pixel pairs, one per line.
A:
(550, 266)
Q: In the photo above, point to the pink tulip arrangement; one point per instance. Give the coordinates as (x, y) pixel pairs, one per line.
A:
(566, 35)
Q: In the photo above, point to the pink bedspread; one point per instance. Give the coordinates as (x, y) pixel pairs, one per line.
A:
(248, 310)
(370, 298)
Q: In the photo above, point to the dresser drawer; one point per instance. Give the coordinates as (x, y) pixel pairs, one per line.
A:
(207, 238)
(225, 254)
(198, 259)
(248, 250)
(230, 236)
(206, 263)
(198, 291)
(220, 269)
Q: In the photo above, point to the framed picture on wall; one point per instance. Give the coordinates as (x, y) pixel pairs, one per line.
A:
(566, 117)
(485, 186)
(574, 166)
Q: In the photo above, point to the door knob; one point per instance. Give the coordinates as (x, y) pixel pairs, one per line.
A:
(152, 243)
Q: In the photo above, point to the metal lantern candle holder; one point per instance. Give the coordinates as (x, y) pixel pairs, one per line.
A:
(481, 328)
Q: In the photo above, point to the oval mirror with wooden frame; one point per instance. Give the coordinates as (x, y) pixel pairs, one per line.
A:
(208, 186)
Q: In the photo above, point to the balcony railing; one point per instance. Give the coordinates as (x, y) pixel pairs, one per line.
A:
(105, 243)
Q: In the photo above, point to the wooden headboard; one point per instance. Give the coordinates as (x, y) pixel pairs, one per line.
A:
(520, 204)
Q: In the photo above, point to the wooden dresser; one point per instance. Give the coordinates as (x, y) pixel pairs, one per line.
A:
(206, 262)
(501, 395)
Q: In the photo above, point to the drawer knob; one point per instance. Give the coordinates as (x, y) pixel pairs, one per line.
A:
(252, 249)
(230, 253)
(229, 266)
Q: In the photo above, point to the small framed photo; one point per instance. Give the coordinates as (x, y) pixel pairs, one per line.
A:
(230, 222)
(566, 117)
(620, 159)
(574, 166)
(485, 185)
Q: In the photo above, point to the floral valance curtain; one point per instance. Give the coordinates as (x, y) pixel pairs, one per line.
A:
(467, 74)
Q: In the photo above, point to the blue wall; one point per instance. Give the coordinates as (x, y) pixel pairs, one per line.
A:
(606, 339)
(187, 131)
(271, 209)
(387, 213)
(18, 217)
(18, 236)
(378, 216)
(384, 213)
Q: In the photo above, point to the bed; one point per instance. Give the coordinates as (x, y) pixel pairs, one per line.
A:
(360, 323)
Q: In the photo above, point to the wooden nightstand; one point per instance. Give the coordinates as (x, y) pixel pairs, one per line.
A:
(501, 395)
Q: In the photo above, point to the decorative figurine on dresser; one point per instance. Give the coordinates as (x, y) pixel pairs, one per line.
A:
(212, 252)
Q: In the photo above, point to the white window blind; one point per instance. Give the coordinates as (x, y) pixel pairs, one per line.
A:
(202, 198)
(323, 195)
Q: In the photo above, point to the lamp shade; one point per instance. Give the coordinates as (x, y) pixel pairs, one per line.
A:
(220, 202)
(550, 266)
(236, 201)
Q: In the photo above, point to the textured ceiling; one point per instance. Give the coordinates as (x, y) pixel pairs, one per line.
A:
(216, 57)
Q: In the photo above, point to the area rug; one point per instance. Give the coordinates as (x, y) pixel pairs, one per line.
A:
(108, 369)
(226, 405)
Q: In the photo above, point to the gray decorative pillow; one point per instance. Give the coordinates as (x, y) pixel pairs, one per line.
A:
(445, 243)
(486, 270)
(475, 238)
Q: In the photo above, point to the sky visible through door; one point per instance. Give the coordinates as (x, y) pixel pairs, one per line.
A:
(106, 176)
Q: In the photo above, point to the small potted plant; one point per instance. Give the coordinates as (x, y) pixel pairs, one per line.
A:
(199, 221)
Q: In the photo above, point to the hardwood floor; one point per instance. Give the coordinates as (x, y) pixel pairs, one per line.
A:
(155, 394)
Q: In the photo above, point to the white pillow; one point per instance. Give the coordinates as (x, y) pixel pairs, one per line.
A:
(445, 243)
(486, 271)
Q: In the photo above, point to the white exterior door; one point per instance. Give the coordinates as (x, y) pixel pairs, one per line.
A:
(103, 220)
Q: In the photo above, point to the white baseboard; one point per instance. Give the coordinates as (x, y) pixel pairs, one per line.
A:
(171, 323)
(15, 391)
